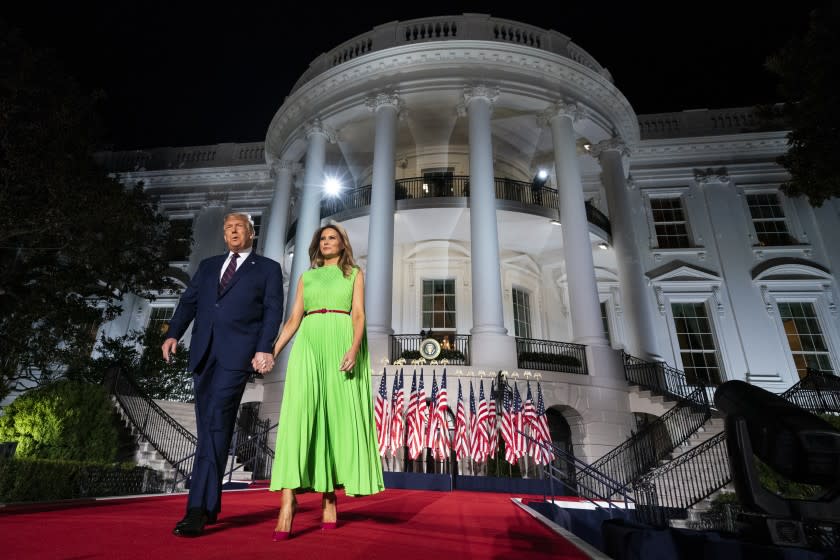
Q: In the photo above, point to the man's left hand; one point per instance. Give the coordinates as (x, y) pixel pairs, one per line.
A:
(262, 362)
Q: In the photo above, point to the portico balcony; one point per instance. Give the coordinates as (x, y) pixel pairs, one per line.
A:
(454, 191)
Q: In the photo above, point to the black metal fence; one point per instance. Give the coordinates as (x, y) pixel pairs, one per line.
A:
(407, 347)
(250, 442)
(549, 355)
(817, 392)
(118, 481)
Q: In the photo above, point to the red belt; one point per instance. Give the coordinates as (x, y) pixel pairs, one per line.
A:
(305, 313)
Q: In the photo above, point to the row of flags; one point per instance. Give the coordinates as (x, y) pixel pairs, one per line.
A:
(423, 424)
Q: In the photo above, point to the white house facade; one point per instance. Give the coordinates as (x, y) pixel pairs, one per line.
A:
(500, 191)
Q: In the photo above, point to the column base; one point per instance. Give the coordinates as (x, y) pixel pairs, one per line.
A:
(492, 351)
(379, 348)
(604, 362)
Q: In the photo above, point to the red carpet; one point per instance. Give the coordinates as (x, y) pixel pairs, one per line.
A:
(393, 525)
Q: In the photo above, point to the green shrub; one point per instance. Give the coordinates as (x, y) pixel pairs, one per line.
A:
(62, 420)
(27, 480)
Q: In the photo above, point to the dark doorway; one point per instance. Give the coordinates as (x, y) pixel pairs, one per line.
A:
(561, 436)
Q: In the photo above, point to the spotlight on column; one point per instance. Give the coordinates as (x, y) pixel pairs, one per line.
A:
(603, 245)
(332, 186)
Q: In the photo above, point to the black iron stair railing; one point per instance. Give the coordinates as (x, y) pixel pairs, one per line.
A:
(700, 472)
(174, 442)
(655, 442)
(659, 378)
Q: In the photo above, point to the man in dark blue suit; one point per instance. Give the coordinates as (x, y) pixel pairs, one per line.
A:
(236, 301)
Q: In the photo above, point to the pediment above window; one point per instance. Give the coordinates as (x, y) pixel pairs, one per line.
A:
(682, 274)
(789, 270)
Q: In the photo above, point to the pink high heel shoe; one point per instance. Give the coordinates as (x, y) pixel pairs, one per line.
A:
(285, 535)
(329, 526)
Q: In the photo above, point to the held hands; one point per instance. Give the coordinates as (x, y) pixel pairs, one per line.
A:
(262, 362)
(348, 361)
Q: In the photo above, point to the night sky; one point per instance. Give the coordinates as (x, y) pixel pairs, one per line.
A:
(187, 73)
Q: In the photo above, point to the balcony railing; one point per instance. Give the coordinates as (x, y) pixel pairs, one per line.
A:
(407, 346)
(548, 355)
(470, 27)
(419, 188)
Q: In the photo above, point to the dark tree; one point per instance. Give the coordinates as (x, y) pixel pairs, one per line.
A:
(72, 239)
(809, 71)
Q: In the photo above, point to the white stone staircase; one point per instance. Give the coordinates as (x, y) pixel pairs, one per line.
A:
(643, 400)
(148, 456)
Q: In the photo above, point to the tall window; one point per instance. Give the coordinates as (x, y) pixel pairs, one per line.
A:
(439, 304)
(768, 218)
(697, 343)
(605, 321)
(179, 244)
(805, 337)
(521, 314)
(669, 222)
(159, 319)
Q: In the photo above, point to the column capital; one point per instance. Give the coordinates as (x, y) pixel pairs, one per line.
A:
(562, 108)
(316, 126)
(478, 91)
(385, 99)
(284, 164)
(614, 144)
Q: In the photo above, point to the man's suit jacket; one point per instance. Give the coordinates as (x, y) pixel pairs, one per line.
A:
(244, 319)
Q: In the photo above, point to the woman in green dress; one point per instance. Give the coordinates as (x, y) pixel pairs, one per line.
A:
(326, 435)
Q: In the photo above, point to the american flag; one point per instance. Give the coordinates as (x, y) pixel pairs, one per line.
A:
(529, 412)
(397, 419)
(381, 416)
(412, 416)
(432, 416)
(492, 423)
(422, 412)
(441, 436)
(483, 423)
(529, 420)
(508, 426)
(545, 456)
(518, 424)
(461, 446)
(476, 448)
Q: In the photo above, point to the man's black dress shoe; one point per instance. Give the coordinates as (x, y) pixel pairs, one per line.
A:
(192, 525)
(212, 519)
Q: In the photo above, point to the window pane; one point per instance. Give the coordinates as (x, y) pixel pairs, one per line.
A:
(697, 345)
(805, 338)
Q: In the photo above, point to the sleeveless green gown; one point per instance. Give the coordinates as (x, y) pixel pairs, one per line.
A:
(326, 435)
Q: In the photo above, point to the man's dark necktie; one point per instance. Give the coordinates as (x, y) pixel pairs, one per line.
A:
(229, 272)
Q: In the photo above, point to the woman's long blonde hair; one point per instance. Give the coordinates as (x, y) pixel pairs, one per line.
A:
(345, 260)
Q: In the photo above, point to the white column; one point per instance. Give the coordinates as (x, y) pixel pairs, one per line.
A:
(580, 269)
(309, 215)
(208, 237)
(308, 220)
(636, 296)
(274, 235)
(490, 343)
(380, 259)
